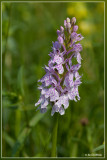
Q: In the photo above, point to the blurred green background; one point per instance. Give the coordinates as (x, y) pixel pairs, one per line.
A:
(28, 30)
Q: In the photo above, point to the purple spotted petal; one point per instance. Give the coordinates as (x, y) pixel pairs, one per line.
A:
(61, 111)
(79, 58)
(60, 68)
(58, 59)
(56, 45)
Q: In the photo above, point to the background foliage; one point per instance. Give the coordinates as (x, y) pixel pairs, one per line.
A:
(28, 30)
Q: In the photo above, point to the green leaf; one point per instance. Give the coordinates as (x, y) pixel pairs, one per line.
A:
(74, 139)
(20, 81)
(98, 148)
(20, 142)
(25, 132)
(8, 139)
(11, 100)
(35, 119)
(18, 122)
(74, 150)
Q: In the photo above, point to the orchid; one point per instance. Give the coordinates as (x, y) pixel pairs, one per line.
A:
(60, 83)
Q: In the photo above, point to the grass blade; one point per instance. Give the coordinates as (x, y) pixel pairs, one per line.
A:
(8, 139)
(25, 132)
(98, 148)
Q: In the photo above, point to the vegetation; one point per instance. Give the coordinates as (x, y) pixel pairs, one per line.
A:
(28, 30)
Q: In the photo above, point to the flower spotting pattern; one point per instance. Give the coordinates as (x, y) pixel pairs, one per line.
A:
(60, 83)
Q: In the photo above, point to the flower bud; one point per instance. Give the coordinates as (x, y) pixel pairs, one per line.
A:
(68, 25)
(65, 22)
(62, 29)
(73, 20)
(58, 32)
(75, 28)
(84, 121)
(68, 20)
(60, 39)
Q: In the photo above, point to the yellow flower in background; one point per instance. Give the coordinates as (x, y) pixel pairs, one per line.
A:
(78, 9)
(70, 10)
(87, 27)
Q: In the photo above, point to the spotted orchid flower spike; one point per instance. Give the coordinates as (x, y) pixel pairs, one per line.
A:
(61, 81)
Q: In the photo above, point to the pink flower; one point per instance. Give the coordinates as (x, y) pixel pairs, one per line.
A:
(61, 81)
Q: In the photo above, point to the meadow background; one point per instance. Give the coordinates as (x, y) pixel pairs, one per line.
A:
(28, 30)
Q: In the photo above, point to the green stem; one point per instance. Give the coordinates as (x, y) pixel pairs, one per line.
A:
(54, 136)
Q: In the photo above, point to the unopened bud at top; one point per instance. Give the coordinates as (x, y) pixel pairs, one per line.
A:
(62, 29)
(68, 20)
(73, 20)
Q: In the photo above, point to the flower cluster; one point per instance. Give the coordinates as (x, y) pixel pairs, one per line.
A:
(61, 81)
